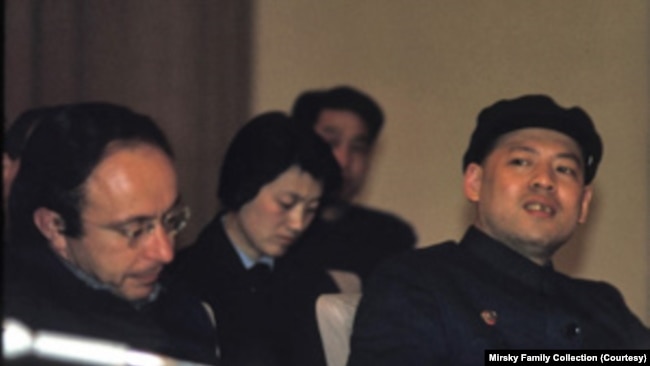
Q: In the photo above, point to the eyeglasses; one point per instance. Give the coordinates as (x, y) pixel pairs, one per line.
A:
(134, 231)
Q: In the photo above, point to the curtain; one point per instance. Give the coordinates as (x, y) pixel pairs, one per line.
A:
(185, 63)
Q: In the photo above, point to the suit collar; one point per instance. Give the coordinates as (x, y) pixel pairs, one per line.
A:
(506, 261)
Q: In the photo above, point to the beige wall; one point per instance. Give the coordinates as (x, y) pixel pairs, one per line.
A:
(434, 64)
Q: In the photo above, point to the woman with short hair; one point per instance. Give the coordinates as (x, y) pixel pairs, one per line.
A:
(274, 178)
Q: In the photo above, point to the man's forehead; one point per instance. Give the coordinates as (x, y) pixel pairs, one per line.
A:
(532, 135)
(342, 121)
(130, 158)
(130, 175)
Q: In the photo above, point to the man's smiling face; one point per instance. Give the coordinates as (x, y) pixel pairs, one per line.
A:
(530, 191)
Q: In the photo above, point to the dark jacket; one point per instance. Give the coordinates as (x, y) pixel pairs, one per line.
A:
(44, 294)
(446, 304)
(268, 325)
(355, 242)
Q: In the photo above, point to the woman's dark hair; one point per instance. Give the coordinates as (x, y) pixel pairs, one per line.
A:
(266, 147)
(60, 155)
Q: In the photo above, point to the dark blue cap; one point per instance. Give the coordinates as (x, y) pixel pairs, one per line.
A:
(535, 111)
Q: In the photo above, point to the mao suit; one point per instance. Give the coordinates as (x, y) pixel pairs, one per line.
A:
(446, 304)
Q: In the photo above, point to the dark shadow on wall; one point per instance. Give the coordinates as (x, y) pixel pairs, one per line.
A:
(184, 63)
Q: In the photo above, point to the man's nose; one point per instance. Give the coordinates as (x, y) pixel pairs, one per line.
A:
(544, 178)
(342, 155)
(161, 245)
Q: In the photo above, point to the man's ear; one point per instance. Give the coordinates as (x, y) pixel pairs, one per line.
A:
(585, 204)
(472, 182)
(9, 170)
(52, 226)
(8, 166)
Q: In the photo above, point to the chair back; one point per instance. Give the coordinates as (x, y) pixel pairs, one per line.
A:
(335, 316)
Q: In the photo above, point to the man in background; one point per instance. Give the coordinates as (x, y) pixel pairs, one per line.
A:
(348, 238)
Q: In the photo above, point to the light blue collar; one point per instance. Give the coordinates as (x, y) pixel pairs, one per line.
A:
(249, 263)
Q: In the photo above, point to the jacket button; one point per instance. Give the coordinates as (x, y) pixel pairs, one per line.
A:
(573, 330)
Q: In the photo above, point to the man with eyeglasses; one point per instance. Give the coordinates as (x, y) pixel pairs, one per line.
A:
(94, 211)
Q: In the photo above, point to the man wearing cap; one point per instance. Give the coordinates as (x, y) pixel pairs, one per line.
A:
(528, 172)
(348, 237)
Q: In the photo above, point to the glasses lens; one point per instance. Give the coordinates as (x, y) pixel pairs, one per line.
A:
(176, 220)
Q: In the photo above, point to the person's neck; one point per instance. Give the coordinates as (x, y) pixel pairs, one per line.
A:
(97, 285)
(236, 235)
(528, 250)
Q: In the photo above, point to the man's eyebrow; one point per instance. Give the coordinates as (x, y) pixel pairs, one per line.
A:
(364, 139)
(144, 218)
(524, 148)
(562, 155)
(571, 156)
(329, 127)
